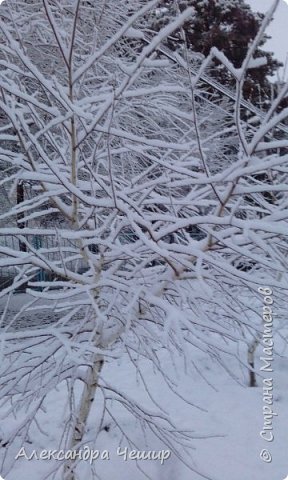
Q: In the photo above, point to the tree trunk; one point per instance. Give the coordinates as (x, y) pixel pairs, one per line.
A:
(84, 409)
(20, 216)
(251, 352)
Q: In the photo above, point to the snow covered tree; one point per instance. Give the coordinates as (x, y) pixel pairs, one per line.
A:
(111, 143)
(229, 25)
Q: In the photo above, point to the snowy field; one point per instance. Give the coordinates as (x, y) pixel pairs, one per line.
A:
(225, 414)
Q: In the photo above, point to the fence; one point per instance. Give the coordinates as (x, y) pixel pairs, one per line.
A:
(48, 247)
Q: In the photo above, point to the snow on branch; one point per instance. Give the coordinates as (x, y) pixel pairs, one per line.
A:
(141, 214)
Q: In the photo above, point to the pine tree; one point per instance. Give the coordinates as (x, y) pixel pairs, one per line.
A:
(229, 25)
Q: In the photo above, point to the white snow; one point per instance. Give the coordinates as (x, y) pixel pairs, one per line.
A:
(227, 426)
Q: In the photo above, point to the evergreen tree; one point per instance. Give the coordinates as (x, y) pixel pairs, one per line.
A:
(229, 25)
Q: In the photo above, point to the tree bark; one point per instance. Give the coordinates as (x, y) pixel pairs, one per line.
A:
(84, 409)
(20, 216)
(251, 352)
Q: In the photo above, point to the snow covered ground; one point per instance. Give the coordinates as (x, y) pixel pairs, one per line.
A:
(227, 426)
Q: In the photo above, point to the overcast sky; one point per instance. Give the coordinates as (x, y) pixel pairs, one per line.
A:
(278, 28)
